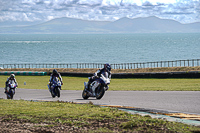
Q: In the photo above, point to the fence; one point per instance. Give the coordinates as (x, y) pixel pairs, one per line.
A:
(176, 63)
(72, 65)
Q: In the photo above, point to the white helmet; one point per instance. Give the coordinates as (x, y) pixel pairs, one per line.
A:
(12, 75)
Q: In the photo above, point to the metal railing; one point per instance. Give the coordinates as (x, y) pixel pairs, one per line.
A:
(176, 63)
(60, 65)
(158, 64)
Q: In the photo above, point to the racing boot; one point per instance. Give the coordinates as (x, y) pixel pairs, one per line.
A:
(5, 89)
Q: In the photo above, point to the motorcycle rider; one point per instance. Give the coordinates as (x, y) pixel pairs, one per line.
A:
(107, 68)
(10, 79)
(54, 75)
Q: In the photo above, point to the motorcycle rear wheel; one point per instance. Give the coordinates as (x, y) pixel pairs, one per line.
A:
(99, 92)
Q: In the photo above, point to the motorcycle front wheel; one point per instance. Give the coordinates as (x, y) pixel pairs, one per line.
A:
(85, 94)
(57, 90)
(9, 96)
(99, 92)
(52, 94)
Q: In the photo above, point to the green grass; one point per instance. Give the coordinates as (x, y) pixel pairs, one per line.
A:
(40, 82)
(95, 118)
(156, 84)
(76, 83)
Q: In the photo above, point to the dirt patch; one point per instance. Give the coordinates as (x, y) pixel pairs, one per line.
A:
(10, 125)
(88, 70)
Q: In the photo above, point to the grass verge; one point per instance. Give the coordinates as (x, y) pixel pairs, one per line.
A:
(91, 70)
(29, 116)
(76, 83)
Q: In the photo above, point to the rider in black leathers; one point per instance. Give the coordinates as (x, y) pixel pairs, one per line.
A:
(107, 68)
(12, 77)
(53, 75)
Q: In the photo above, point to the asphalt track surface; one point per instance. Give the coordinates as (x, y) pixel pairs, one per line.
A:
(170, 101)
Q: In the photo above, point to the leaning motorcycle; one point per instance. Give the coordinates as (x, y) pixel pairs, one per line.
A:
(97, 88)
(55, 87)
(10, 89)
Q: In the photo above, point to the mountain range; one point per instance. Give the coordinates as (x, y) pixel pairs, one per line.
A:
(123, 25)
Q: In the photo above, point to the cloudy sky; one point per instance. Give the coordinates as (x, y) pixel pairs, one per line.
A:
(184, 11)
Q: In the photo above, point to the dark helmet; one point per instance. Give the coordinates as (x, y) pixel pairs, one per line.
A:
(55, 71)
(107, 67)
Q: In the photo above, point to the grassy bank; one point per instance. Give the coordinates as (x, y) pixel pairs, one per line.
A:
(29, 116)
(92, 70)
(76, 83)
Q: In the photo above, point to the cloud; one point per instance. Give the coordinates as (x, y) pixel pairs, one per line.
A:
(42, 10)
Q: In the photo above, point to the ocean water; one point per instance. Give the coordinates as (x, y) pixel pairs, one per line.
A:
(98, 48)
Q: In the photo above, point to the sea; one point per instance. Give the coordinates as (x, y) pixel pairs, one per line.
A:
(98, 48)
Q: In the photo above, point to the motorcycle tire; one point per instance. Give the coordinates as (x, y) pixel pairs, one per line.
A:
(57, 91)
(52, 95)
(85, 94)
(99, 92)
(10, 95)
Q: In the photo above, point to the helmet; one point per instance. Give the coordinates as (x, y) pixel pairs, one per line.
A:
(55, 71)
(12, 76)
(107, 67)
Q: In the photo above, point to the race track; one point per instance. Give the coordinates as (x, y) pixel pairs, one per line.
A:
(171, 101)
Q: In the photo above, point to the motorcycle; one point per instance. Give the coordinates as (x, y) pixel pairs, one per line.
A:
(97, 88)
(55, 87)
(10, 89)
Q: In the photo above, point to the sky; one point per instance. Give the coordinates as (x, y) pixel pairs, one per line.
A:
(183, 11)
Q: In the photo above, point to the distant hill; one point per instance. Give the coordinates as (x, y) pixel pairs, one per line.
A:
(151, 25)
(123, 25)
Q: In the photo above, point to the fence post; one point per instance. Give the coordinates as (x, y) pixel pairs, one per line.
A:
(193, 63)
